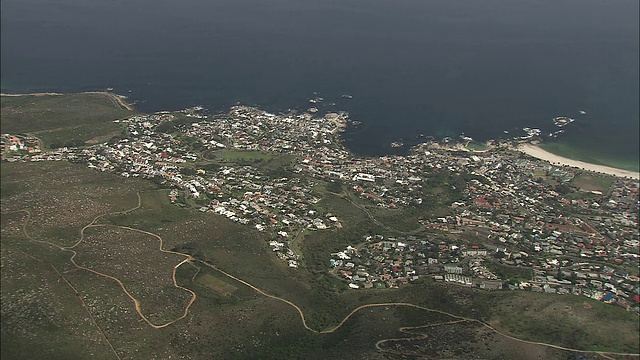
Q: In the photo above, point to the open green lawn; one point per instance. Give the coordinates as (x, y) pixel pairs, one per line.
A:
(274, 165)
(509, 272)
(236, 155)
(589, 182)
(216, 284)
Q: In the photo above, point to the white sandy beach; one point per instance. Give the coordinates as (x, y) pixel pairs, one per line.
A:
(539, 153)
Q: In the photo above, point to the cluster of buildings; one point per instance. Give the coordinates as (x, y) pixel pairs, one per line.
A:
(392, 262)
(522, 213)
(247, 128)
(280, 205)
(13, 146)
(515, 207)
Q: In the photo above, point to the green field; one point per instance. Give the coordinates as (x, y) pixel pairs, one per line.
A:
(238, 155)
(216, 284)
(587, 182)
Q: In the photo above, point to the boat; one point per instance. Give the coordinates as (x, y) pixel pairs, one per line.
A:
(582, 112)
(347, 96)
(397, 144)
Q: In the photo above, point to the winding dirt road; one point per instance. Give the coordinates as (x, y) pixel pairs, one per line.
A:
(136, 302)
(460, 319)
(189, 259)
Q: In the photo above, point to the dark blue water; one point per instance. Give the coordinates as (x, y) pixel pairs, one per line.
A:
(432, 67)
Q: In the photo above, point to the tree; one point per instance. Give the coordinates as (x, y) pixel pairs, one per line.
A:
(563, 189)
(187, 171)
(335, 186)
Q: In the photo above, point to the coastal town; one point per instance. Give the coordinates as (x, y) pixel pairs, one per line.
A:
(513, 222)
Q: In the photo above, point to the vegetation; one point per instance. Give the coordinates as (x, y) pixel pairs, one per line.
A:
(513, 273)
(63, 120)
(237, 315)
(180, 120)
(476, 146)
(588, 182)
(216, 284)
(246, 156)
(53, 309)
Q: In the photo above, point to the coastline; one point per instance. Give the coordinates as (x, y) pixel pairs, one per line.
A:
(539, 153)
(527, 148)
(32, 94)
(117, 99)
(114, 97)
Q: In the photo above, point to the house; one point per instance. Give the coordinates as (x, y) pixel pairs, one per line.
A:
(364, 177)
(491, 285)
(452, 269)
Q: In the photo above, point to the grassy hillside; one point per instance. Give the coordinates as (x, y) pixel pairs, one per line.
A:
(59, 120)
(235, 322)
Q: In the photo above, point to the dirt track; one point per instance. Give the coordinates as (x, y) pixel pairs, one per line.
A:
(190, 259)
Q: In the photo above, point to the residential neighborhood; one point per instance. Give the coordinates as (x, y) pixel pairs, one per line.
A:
(516, 223)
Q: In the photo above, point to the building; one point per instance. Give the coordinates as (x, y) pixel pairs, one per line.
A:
(452, 269)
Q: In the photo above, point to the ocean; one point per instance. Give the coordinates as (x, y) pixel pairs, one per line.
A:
(413, 69)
